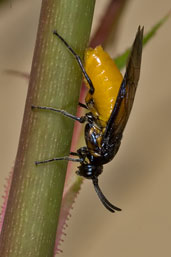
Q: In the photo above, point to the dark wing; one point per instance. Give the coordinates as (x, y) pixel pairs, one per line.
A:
(125, 98)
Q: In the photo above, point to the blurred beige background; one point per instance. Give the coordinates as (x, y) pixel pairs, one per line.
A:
(139, 178)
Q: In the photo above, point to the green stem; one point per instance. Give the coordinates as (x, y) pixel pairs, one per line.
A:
(32, 212)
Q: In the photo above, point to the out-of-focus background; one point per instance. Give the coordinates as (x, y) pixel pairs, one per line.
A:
(139, 179)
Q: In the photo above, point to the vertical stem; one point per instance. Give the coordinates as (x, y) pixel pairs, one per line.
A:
(32, 212)
(108, 23)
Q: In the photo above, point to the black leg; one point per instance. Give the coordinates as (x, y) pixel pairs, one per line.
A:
(74, 154)
(81, 152)
(83, 105)
(79, 119)
(78, 60)
(64, 158)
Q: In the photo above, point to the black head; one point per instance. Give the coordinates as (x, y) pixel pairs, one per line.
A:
(90, 171)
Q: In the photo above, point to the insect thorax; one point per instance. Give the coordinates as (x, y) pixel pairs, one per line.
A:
(98, 151)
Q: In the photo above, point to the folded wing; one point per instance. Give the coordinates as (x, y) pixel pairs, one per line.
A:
(125, 98)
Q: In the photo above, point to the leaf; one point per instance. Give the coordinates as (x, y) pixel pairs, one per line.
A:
(121, 60)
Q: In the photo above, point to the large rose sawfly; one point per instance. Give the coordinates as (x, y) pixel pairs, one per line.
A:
(109, 102)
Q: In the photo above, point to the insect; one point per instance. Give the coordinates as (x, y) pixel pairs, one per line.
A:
(109, 101)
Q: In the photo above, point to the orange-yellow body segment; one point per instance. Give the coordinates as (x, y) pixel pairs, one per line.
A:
(106, 79)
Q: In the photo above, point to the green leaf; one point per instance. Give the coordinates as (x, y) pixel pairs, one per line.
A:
(121, 60)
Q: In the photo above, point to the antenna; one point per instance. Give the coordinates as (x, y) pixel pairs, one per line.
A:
(105, 202)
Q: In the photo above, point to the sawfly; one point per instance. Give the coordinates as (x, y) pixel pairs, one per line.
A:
(108, 103)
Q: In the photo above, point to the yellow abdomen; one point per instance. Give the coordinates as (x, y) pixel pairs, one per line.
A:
(106, 79)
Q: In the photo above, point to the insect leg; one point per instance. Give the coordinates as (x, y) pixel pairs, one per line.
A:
(83, 105)
(64, 158)
(74, 154)
(77, 57)
(79, 119)
(81, 153)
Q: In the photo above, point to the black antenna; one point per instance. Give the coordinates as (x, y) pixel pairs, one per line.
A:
(105, 202)
(77, 57)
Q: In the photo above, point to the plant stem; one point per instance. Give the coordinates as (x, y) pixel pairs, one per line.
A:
(32, 212)
(108, 23)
